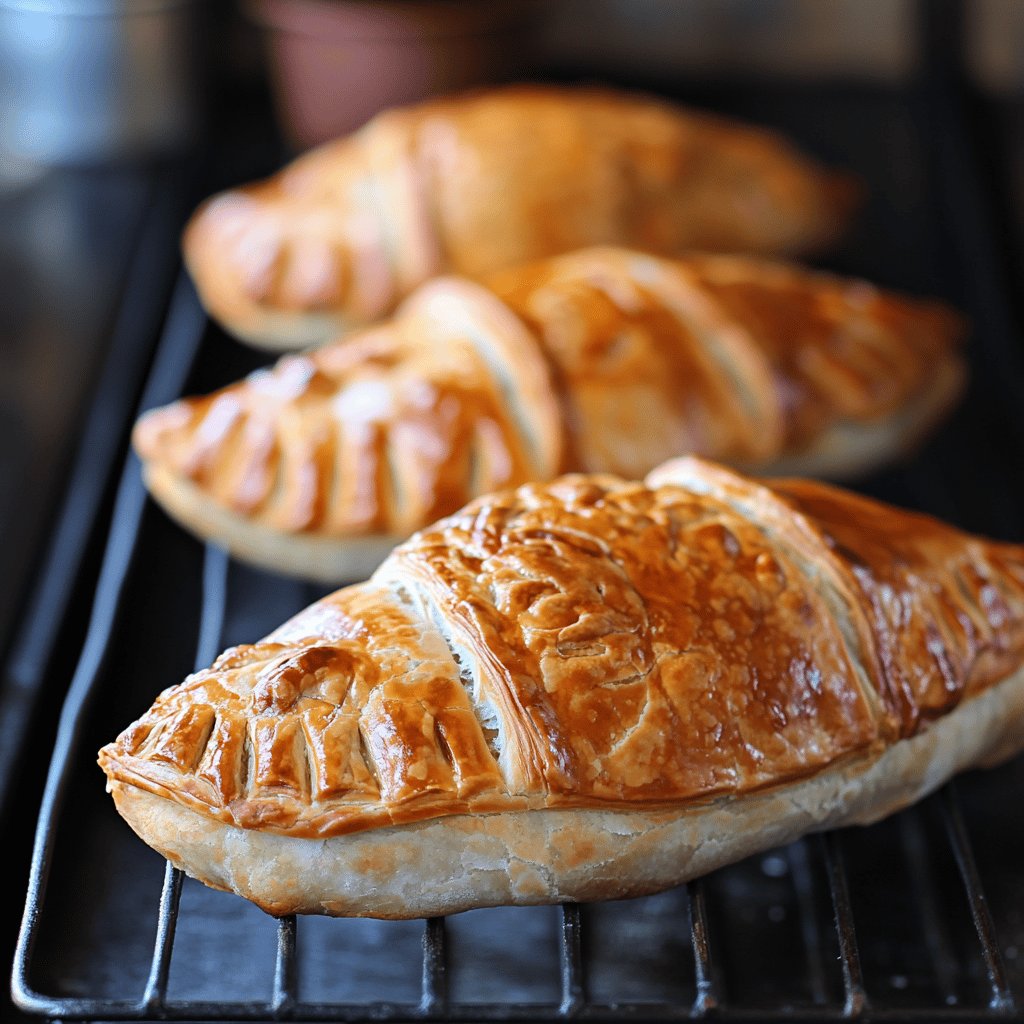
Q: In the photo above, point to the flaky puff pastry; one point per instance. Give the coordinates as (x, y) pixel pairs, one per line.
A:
(603, 360)
(476, 183)
(585, 689)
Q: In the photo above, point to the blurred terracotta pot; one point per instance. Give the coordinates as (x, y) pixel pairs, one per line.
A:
(335, 63)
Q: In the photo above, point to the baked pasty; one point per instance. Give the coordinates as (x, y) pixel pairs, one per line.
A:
(586, 689)
(476, 183)
(603, 360)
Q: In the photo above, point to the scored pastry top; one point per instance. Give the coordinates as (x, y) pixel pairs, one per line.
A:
(383, 433)
(731, 357)
(592, 643)
(600, 361)
(475, 183)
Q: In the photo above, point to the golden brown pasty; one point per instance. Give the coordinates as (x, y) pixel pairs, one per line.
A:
(476, 183)
(584, 689)
(603, 360)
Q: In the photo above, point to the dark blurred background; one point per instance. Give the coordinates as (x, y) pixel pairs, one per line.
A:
(118, 116)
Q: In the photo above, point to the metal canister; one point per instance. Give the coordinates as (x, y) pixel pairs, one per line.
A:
(97, 80)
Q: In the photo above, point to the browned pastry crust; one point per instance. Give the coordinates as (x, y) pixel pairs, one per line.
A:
(586, 688)
(479, 182)
(603, 360)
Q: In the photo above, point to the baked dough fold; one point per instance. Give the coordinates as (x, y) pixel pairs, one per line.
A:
(604, 360)
(476, 183)
(642, 655)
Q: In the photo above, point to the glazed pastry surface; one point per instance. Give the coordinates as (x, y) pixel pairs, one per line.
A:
(593, 644)
(480, 182)
(603, 360)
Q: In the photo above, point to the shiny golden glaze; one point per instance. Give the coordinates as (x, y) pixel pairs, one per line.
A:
(481, 182)
(592, 642)
(956, 605)
(600, 361)
(380, 434)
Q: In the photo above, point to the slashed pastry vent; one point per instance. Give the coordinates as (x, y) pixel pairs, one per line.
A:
(442, 745)
(182, 741)
(225, 762)
(483, 710)
(366, 754)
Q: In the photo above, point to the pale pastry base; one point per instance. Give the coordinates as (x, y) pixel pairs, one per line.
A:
(451, 864)
(306, 555)
(279, 332)
(845, 451)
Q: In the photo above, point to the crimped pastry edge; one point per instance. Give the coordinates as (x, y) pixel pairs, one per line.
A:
(460, 862)
(846, 450)
(270, 330)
